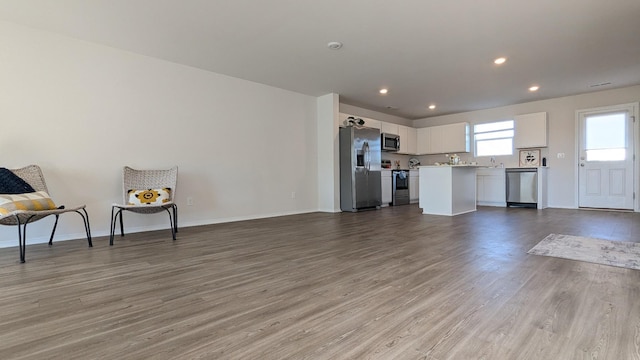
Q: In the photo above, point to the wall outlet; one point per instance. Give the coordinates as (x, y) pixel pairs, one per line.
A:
(189, 201)
(293, 194)
(560, 155)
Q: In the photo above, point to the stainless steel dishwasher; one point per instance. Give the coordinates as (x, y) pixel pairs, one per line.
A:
(522, 187)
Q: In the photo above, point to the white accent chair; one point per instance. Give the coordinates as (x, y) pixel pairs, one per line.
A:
(133, 179)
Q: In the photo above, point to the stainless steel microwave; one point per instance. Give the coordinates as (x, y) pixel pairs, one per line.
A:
(390, 142)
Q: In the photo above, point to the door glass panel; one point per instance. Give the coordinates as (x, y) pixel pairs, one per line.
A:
(605, 137)
(606, 155)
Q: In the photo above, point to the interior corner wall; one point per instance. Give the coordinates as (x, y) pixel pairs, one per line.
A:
(82, 111)
(328, 154)
(561, 113)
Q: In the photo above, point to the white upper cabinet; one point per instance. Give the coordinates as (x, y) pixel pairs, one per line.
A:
(376, 124)
(389, 128)
(424, 140)
(455, 138)
(443, 139)
(412, 140)
(403, 133)
(408, 140)
(436, 140)
(530, 131)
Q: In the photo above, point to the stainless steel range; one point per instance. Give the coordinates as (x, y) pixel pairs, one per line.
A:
(400, 187)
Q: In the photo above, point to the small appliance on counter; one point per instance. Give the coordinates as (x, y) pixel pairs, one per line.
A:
(413, 163)
(386, 164)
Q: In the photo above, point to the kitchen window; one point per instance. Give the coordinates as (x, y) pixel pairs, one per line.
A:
(492, 139)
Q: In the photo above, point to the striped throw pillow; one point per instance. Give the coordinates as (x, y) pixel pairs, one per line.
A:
(38, 200)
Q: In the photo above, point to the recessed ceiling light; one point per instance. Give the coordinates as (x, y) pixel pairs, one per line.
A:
(500, 60)
(334, 45)
(384, 91)
(431, 107)
(534, 88)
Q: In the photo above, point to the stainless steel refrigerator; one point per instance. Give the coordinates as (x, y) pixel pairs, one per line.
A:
(360, 186)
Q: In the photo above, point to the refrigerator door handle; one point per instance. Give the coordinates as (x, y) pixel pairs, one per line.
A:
(367, 156)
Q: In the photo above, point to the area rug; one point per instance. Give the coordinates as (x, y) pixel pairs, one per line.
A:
(605, 252)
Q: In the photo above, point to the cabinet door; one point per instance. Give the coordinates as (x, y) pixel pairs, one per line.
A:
(495, 188)
(412, 140)
(443, 139)
(530, 131)
(414, 186)
(480, 196)
(404, 141)
(436, 140)
(423, 140)
(375, 124)
(455, 138)
(386, 188)
(491, 187)
(389, 128)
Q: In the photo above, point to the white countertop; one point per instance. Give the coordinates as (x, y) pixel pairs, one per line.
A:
(452, 166)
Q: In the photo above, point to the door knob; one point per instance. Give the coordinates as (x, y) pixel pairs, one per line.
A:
(582, 164)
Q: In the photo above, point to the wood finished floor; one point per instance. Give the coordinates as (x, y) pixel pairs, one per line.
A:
(387, 284)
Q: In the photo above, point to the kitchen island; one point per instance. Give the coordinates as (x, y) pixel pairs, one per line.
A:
(447, 190)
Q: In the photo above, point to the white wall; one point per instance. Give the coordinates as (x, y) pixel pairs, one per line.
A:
(328, 154)
(562, 134)
(82, 111)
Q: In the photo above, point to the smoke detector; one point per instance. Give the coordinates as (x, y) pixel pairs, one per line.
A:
(334, 45)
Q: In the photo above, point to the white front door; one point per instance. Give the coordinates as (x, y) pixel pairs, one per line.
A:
(606, 158)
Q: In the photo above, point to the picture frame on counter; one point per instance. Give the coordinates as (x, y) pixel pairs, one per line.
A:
(530, 158)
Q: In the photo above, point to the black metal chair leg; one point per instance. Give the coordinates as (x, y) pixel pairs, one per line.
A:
(173, 229)
(114, 220)
(121, 222)
(22, 236)
(175, 217)
(87, 227)
(55, 225)
(21, 240)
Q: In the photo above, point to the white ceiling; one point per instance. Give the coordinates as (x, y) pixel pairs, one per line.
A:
(424, 51)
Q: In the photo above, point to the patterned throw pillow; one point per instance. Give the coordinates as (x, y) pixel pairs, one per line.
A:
(154, 197)
(11, 183)
(31, 201)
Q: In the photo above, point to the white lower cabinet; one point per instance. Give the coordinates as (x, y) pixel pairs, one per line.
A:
(414, 186)
(491, 187)
(386, 187)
